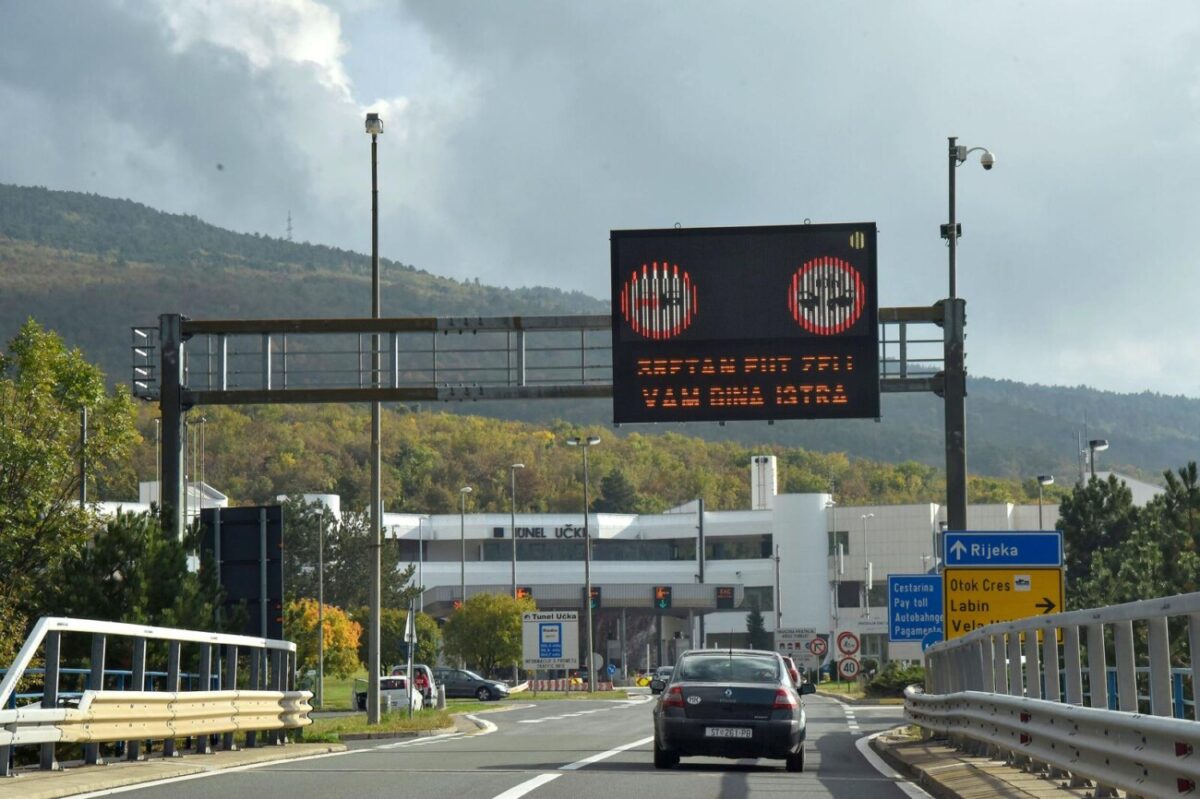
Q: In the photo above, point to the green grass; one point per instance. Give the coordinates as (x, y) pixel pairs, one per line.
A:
(339, 691)
(333, 729)
(848, 689)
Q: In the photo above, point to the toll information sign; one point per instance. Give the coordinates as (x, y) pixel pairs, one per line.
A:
(914, 606)
(805, 646)
(978, 597)
(717, 324)
(550, 639)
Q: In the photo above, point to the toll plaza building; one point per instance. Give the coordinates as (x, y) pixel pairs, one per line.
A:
(780, 556)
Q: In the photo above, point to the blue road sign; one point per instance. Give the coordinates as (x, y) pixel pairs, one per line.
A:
(1008, 549)
(612, 669)
(930, 640)
(550, 640)
(914, 607)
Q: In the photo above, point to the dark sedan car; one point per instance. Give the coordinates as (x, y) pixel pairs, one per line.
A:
(730, 703)
(463, 683)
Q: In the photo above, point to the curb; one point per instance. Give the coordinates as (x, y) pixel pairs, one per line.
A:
(902, 766)
(379, 736)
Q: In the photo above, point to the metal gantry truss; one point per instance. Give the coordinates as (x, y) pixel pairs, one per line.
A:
(183, 363)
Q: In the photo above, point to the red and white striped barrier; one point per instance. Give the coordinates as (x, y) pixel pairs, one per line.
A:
(565, 685)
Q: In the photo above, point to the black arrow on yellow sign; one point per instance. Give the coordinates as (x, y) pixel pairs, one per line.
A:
(1046, 605)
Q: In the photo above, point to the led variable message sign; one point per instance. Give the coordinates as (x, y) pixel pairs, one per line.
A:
(725, 324)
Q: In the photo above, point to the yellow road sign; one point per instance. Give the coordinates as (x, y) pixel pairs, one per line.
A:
(977, 597)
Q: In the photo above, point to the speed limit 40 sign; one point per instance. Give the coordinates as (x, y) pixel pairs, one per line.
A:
(848, 668)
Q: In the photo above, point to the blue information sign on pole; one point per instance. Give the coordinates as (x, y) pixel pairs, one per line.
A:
(914, 607)
(999, 550)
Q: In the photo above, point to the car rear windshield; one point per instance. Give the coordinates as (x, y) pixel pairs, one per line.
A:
(728, 668)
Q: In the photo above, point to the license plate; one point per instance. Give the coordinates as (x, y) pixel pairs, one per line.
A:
(728, 732)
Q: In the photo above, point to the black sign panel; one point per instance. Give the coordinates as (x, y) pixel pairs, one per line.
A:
(726, 324)
(724, 597)
(249, 536)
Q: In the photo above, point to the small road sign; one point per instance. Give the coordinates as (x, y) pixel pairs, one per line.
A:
(1009, 549)
(977, 597)
(914, 606)
(848, 668)
(847, 643)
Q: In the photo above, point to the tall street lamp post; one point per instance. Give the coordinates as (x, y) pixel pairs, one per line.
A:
(591, 441)
(513, 529)
(374, 127)
(955, 371)
(321, 610)
(1094, 446)
(462, 540)
(1043, 480)
(866, 567)
(513, 532)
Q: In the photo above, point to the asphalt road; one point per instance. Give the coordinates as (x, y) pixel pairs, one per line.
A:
(564, 750)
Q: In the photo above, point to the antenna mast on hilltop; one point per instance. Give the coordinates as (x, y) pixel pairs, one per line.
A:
(289, 228)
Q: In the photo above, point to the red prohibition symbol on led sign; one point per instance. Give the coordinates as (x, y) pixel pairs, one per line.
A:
(827, 296)
(659, 300)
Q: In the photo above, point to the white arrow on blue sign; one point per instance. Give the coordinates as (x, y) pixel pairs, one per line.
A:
(1009, 549)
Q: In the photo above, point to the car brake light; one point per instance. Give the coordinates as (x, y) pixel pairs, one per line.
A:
(673, 697)
(783, 699)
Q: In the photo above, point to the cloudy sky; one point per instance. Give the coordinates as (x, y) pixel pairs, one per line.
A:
(519, 133)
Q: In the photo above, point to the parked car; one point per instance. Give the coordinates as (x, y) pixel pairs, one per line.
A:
(662, 676)
(463, 683)
(393, 693)
(422, 680)
(731, 703)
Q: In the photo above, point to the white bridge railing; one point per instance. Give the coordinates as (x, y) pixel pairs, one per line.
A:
(1038, 691)
(267, 704)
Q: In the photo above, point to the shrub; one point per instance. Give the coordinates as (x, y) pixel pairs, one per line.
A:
(894, 678)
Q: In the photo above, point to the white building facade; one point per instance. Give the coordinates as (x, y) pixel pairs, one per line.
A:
(781, 556)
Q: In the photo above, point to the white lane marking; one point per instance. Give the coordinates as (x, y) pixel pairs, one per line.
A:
(488, 727)
(428, 739)
(864, 749)
(211, 773)
(520, 790)
(587, 761)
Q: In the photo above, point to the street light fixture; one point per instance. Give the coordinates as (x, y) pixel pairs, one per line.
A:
(585, 445)
(866, 568)
(1043, 480)
(374, 127)
(954, 388)
(1094, 446)
(462, 540)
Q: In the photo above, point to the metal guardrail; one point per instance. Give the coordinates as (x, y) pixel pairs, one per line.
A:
(1038, 691)
(267, 705)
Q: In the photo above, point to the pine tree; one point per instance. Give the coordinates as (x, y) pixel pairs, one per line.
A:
(757, 628)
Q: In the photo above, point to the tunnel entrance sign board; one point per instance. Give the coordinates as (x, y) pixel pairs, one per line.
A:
(751, 323)
(978, 597)
(550, 640)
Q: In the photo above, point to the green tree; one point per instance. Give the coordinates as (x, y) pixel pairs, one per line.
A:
(486, 631)
(348, 558)
(617, 495)
(131, 572)
(757, 628)
(44, 391)
(392, 649)
(1096, 519)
